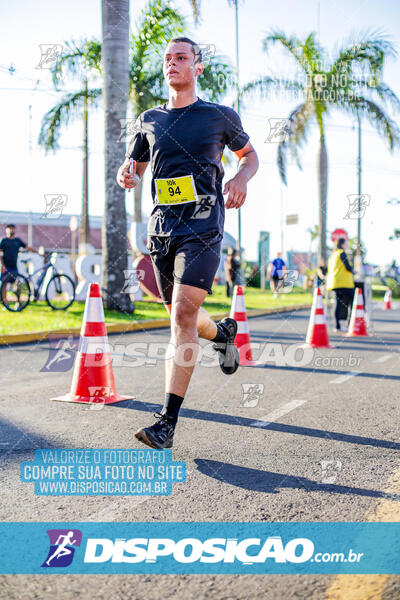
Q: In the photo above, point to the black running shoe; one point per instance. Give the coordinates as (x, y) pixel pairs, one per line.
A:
(228, 353)
(160, 435)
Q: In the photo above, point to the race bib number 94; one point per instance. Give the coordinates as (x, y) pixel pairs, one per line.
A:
(177, 190)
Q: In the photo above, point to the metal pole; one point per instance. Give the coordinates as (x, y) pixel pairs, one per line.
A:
(282, 222)
(237, 107)
(359, 171)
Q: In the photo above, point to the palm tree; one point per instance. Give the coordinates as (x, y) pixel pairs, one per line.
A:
(76, 60)
(351, 82)
(115, 57)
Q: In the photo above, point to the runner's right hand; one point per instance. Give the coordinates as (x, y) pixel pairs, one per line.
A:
(126, 179)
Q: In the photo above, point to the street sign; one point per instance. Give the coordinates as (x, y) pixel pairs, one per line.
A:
(292, 219)
(339, 233)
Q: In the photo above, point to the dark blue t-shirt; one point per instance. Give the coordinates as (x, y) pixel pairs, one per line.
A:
(277, 267)
(184, 141)
(10, 247)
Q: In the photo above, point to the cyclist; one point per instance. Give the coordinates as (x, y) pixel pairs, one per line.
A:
(184, 139)
(10, 246)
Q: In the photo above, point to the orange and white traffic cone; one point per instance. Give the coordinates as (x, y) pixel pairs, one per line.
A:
(387, 300)
(358, 325)
(93, 379)
(242, 339)
(317, 332)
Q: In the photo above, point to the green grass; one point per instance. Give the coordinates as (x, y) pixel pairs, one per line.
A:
(39, 316)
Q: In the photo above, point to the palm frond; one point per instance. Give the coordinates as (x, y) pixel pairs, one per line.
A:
(376, 116)
(382, 90)
(61, 114)
(369, 52)
(296, 128)
(291, 43)
(157, 24)
(264, 86)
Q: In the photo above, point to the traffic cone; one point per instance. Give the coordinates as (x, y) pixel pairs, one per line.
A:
(93, 379)
(242, 339)
(358, 326)
(317, 332)
(387, 300)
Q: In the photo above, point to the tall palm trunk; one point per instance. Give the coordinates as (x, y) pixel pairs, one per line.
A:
(323, 192)
(115, 51)
(84, 231)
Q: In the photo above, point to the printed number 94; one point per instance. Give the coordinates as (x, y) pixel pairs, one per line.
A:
(172, 192)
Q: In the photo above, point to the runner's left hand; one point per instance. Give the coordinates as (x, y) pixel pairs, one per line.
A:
(237, 188)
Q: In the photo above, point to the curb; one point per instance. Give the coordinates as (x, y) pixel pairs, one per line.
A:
(39, 336)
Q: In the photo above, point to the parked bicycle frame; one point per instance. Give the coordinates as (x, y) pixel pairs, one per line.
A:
(18, 290)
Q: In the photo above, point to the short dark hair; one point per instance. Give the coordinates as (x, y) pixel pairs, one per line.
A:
(195, 47)
(10, 225)
(341, 242)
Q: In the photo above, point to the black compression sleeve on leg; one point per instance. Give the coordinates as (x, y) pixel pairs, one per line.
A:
(171, 407)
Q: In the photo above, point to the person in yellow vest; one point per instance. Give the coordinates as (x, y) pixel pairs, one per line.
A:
(340, 280)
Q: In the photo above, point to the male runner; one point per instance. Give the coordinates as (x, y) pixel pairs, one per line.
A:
(9, 247)
(184, 140)
(278, 271)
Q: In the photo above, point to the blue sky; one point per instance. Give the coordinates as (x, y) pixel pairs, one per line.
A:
(28, 175)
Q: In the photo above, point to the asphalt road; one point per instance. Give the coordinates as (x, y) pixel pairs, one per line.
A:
(318, 442)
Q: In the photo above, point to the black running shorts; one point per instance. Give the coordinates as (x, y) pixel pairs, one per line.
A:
(189, 259)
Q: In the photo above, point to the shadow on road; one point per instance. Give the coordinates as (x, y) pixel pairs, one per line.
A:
(245, 422)
(270, 482)
(14, 439)
(335, 372)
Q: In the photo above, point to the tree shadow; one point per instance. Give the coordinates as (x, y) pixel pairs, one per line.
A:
(271, 483)
(246, 422)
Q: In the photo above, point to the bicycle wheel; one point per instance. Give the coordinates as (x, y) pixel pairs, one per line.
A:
(15, 292)
(60, 292)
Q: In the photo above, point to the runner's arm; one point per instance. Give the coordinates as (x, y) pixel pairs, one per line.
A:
(237, 186)
(128, 180)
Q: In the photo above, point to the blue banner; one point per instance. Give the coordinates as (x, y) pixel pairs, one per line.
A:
(204, 548)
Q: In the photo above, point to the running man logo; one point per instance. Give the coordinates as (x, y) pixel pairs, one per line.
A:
(128, 129)
(62, 547)
(251, 394)
(61, 355)
(49, 55)
(207, 52)
(98, 396)
(357, 206)
(330, 470)
(290, 278)
(55, 203)
(278, 131)
(204, 206)
(132, 281)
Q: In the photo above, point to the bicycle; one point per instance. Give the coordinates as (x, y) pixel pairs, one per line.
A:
(18, 290)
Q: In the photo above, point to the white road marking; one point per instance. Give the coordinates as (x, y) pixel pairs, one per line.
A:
(276, 414)
(383, 358)
(343, 378)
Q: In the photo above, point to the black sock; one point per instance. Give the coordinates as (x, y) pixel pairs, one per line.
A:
(171, 407)
(221, 336)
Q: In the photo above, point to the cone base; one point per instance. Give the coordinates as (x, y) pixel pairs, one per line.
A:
(357, 335)
(89, 399)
